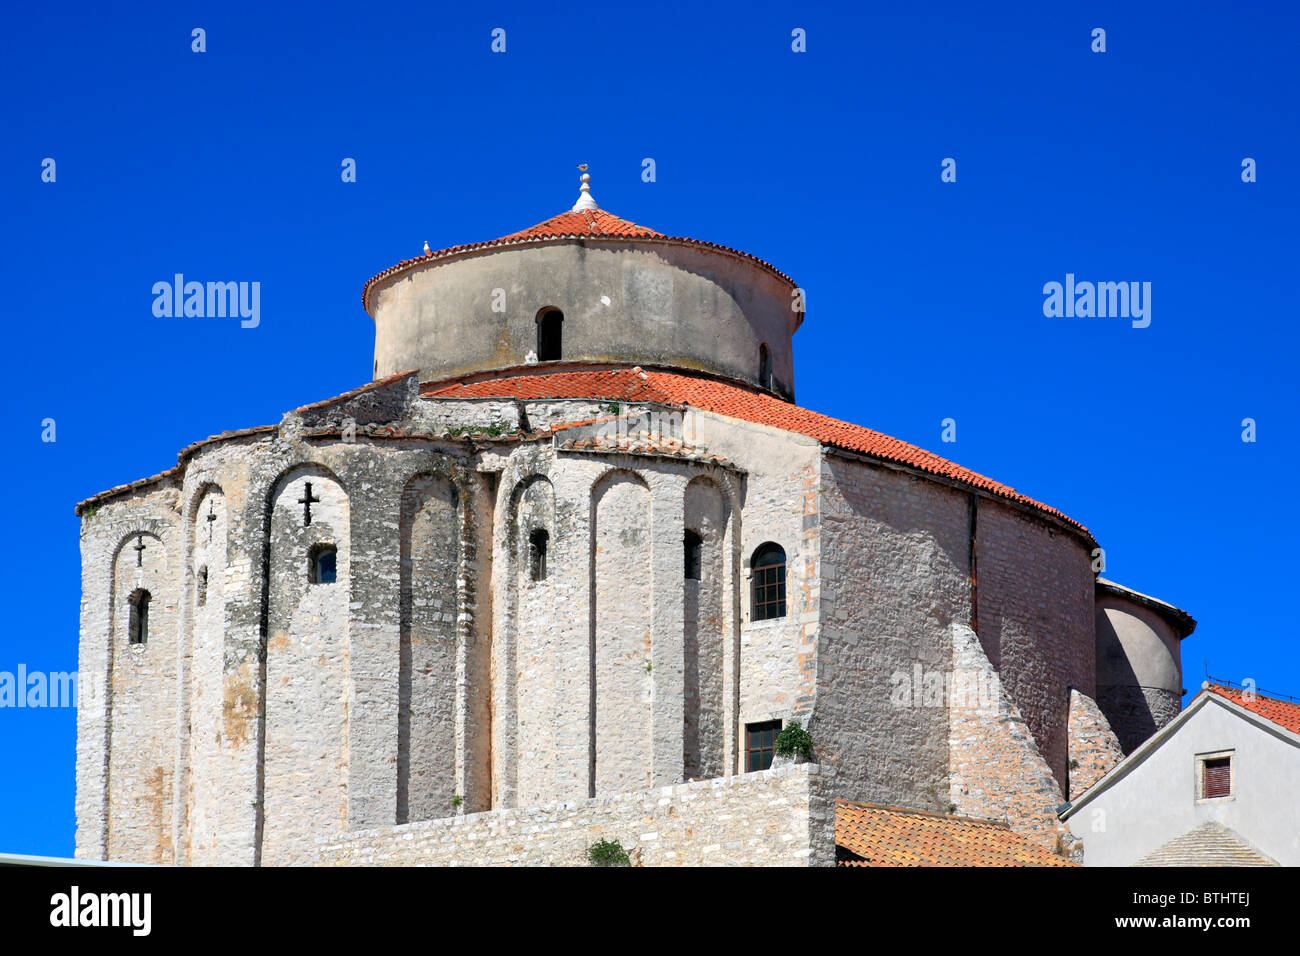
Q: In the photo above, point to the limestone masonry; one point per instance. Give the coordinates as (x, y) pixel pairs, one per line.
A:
(571, 550)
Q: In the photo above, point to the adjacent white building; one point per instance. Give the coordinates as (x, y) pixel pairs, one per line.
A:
(1215, 787)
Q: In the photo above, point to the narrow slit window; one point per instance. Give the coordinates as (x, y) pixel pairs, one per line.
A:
(694, 552)
(764, 366)
(138, 619)
(201, 580)
(323, 564)
(538, 542)
(550, 329)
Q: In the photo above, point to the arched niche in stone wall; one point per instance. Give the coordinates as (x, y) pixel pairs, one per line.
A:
(203, 689)
(530, 648)
(430, 563)
(142, 700)
(705, 609)
(305, 756)
(620, 618)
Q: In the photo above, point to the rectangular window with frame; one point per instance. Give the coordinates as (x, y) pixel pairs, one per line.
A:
(760, 744)
(1216, 777)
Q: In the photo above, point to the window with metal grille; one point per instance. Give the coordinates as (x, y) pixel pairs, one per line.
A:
(1218, 777)
(760, 744)
(693, 545)
(768, 568)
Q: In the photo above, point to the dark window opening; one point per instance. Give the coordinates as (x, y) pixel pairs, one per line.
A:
(769, 582)
(323, 564)
(550, 325)
(760, 744)
(202, 578)
(764, 367)
(694, 548)
(1218, 777)
(537, 543)
(138, 621)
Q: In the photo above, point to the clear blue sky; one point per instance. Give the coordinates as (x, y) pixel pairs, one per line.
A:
(924, 298)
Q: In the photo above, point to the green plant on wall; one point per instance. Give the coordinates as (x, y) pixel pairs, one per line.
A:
(793, 740)
(608, 853)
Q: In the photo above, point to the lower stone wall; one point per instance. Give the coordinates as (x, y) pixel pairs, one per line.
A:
(779, 817)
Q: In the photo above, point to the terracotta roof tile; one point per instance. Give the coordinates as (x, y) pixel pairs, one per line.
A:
(570, 224)
(734, 401)
(1284, 713)
(891, 836)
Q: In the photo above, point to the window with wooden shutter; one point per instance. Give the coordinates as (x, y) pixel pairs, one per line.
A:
(1218, 778)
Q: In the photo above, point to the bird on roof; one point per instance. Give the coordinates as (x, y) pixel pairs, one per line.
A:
(427, 250)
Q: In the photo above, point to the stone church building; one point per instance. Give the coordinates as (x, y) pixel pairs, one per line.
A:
(561, 571)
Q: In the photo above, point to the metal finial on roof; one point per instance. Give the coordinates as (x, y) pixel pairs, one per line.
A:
(584, 197)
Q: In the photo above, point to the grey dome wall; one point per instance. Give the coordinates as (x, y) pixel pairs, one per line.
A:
(649, 303)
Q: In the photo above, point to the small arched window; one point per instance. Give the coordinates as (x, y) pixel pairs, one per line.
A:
(138, 621)
(768, 566)
(538, 542)
(323, 564)
(550, 328)
(693, 545)
(201, 579)
(764, 366)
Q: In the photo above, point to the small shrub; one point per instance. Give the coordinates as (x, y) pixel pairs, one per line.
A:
(793, 740)
(456, 800)
(608, 853)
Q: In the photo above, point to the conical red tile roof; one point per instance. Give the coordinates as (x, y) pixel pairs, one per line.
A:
(568, 225)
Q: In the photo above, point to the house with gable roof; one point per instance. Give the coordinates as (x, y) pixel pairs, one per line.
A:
(1214, 787)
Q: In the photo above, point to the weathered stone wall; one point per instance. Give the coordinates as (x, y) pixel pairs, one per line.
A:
(1035, 619)
(306, 759)
(139, 767)
(781, 817)
(437, 668)
(426, 732)
(621, 620)
(895, 578)
(775, 662)
(706, 600)
(997, 770)
(208, 581)
(1094, 748)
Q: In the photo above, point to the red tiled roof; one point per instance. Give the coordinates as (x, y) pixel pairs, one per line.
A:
(733, 401)
(892, 836)
(1284, 713)
(581, 224)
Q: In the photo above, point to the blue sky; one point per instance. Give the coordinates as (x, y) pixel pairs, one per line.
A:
(924, 298)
